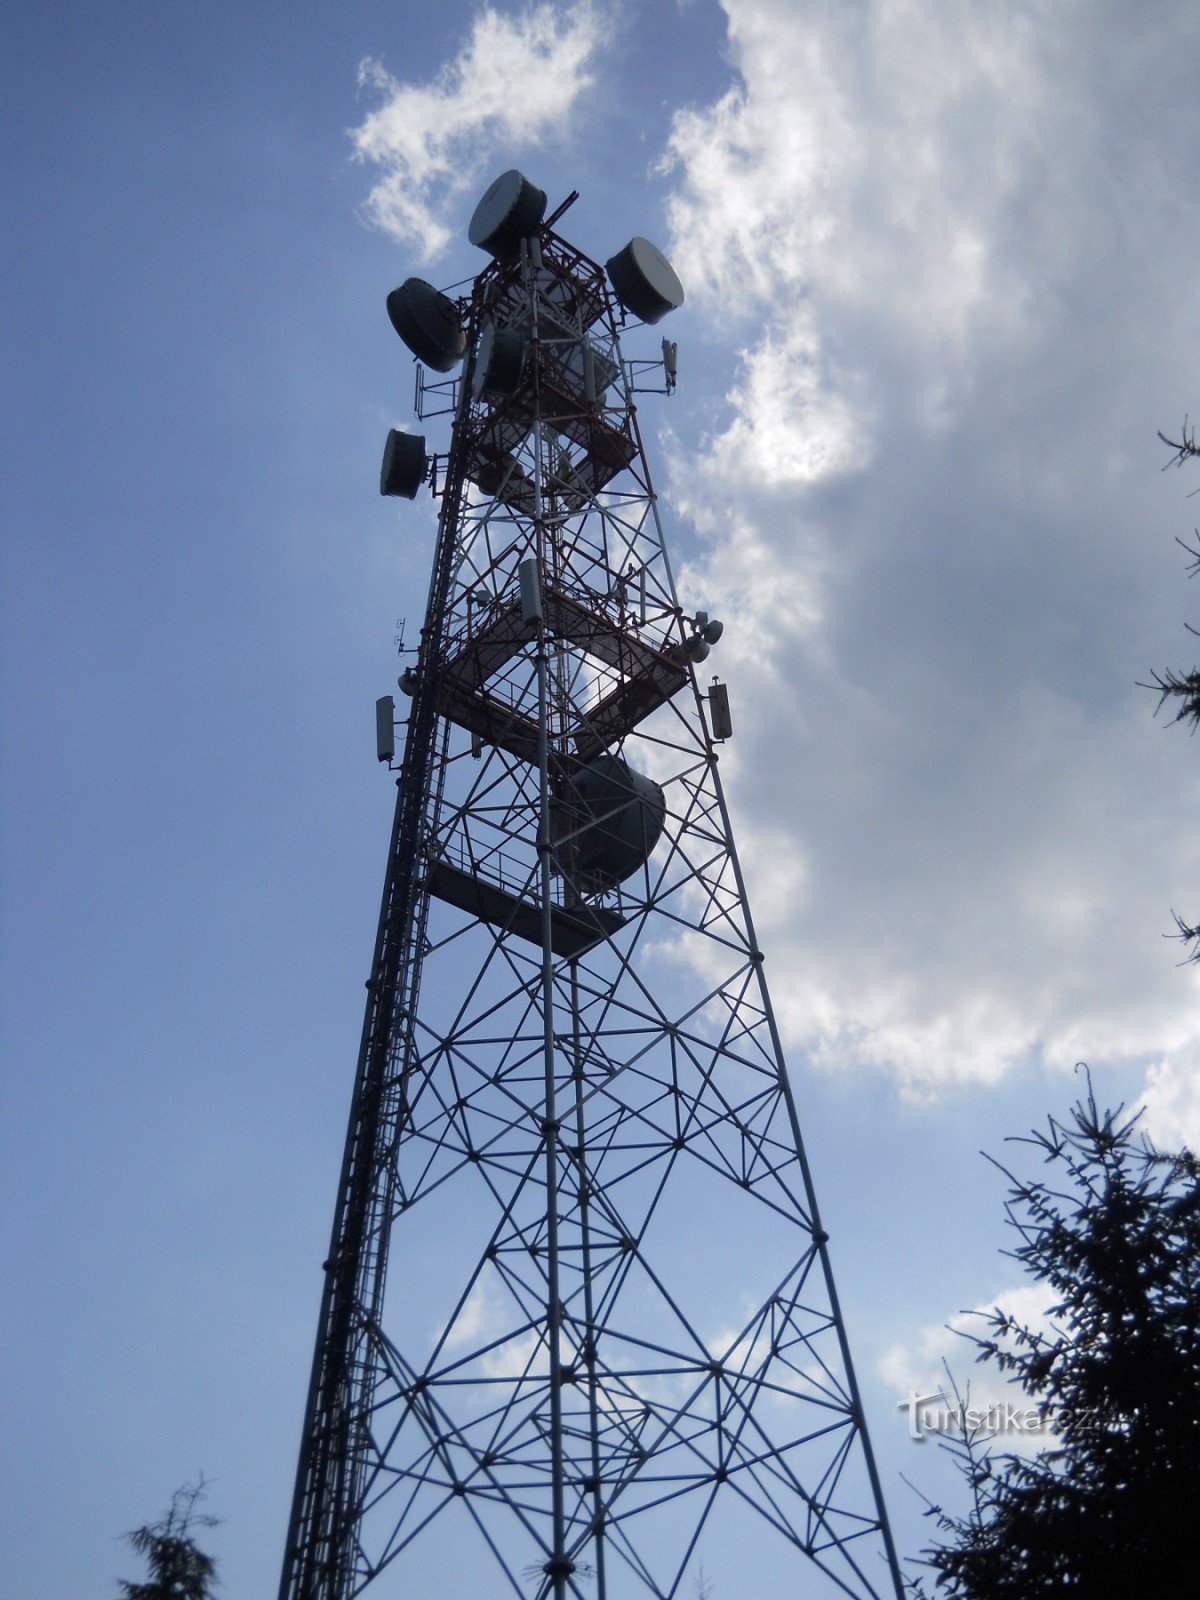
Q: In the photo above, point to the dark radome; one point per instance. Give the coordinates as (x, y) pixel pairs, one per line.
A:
(644, 280)
(499, 361)
(404, 464)
(627, 809)
(509, 212)
(428, 322)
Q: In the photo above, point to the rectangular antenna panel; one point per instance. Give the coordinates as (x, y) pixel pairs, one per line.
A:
(718, 704)
(531, 591)
(385, 732)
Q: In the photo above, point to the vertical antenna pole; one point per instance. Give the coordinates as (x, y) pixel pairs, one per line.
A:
(589, 1309)
(558, 1567)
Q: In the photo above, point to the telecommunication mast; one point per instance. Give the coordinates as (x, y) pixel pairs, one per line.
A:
(578, 1310)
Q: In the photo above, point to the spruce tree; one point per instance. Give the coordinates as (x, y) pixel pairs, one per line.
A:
(178, 1569)
(1109, 1508)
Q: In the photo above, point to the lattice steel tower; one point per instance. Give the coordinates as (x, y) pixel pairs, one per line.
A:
(609, 1331)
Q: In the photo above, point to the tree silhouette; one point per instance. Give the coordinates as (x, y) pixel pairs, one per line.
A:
(1179, 688)
(1108, 1507)
(178, 1570)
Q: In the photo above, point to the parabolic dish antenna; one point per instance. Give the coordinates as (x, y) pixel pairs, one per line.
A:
(499, 361)
(428, 322)
(644, 280)
(509, 212)
(404, 464)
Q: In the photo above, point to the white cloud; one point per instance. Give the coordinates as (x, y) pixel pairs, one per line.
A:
(513, 85)
(490, 1315)
(922, 1362)
(1171, 1100)
(791, 424)
(479, 1319)
(956, 248)
(940, 1359)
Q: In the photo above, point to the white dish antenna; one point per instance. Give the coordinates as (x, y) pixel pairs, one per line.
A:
(644, 281)
(429, 323)
(510, 211)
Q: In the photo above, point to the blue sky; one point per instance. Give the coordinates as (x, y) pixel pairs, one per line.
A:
(940, 266)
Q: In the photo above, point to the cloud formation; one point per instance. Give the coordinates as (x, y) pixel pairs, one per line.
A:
(1171, 1100)
(941, 1358)
(512, 85)
(956, 247)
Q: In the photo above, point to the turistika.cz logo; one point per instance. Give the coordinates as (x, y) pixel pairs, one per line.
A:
(940, 1413)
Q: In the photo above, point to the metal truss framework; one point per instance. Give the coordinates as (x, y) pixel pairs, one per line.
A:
(610, 1310)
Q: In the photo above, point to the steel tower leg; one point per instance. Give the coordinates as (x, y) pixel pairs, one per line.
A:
(613, 1333)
